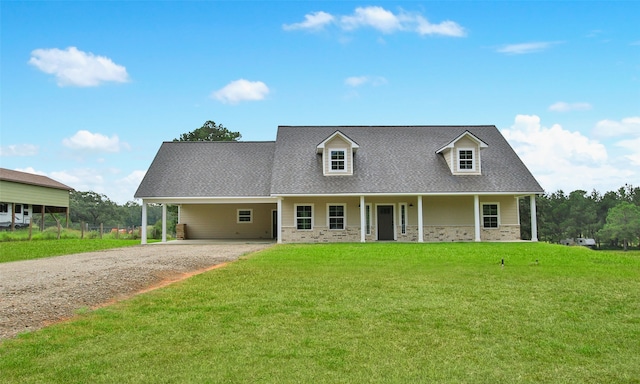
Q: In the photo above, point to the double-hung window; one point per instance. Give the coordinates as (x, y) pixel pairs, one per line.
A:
(490, 215)
(304, 217)
(245, 216)
(336, 216)
(338, 160)
(4, 207)
(465, 160)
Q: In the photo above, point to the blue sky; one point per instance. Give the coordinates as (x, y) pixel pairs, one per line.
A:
(91, 89)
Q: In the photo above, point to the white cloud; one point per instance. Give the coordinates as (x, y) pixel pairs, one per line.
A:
(73, 67)
(313, 21)
(632, 145)
(31, 170)
(523, 48)
(18, 150)
(356, 81)
(445, 28)
(375, 17)
(85, 140)
(379, 19)
(612, 128)
(241, 90)
(562, 106)
(561, 159)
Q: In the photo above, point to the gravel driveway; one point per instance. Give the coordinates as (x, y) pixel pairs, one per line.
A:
(35, 293)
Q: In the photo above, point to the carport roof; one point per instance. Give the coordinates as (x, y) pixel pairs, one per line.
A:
(194, 169)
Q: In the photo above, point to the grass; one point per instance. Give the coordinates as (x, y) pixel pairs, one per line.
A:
(36, 249)
(344, 313)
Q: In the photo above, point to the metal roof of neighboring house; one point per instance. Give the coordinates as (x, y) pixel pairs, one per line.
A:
(31, 179)
(209, 169)
(390, 159)
(396, 159)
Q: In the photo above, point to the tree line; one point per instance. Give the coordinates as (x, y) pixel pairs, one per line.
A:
(612, 218)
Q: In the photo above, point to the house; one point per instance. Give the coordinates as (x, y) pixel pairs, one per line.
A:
(24, 194)
(346, 184)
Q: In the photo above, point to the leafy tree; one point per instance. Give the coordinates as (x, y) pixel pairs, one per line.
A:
(623, 222)
(93, 208)
(582, 215)
(210, 131)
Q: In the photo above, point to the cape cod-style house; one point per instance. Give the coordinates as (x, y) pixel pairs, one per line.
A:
(345, 184)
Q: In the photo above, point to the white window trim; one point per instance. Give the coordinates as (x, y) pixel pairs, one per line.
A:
(295, 216)
(482, 215)
(473, 160)
(344, 217)
(403, 230)
(250, 210)
(347, 164)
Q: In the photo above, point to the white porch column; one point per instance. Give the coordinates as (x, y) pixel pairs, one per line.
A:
(279, 224)
(164, 223)
(534, 219)
(420, 221)
(143, 229)
(476, 216)
(363, 220)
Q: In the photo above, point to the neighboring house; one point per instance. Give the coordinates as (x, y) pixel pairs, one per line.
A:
(24, 194)
(346, 184)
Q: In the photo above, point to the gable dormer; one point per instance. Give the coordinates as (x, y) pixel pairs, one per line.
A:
(337, 154)
(462, 154)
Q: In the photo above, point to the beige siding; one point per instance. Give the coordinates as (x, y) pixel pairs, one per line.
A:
(11, 192)
(448, 210)
(219, 221)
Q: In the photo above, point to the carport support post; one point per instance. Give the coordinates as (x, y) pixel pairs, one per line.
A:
(534, 219)
(476, 216)
(279, 219)
(164, 223)
(363, 220)
(420, 221)
(143, 229)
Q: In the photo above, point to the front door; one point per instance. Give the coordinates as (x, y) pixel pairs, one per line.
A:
(385, 222)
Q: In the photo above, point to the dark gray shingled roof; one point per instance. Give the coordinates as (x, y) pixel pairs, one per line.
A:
(396, 160)
(30, 178)
(391, 159)
(209, 169)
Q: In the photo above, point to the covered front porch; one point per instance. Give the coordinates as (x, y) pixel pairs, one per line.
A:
(352, 218)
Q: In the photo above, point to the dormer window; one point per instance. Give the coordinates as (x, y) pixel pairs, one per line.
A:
(466, 161)
(462, 154)
(337, 153)
(338, 160)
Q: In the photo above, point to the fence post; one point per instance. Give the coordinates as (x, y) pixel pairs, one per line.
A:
(59, 229)
(30, 227)
(101, 230)
(82, 230)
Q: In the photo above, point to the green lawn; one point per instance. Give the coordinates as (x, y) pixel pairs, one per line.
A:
(36, 249)
(354, 313)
